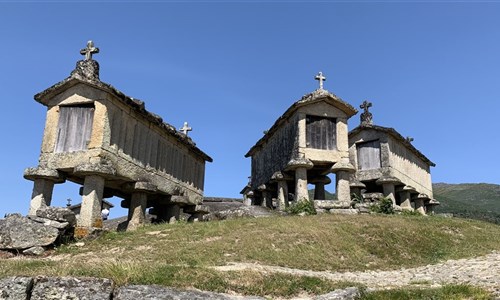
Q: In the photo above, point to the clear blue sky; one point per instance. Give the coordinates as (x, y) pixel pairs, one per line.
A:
(432, 71)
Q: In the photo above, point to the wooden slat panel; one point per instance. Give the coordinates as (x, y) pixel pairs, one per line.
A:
(321, 133)
(368, 155)
(74, 128)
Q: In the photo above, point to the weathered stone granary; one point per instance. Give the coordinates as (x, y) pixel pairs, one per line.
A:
(388, 163)
(108, 142)
(308, 142)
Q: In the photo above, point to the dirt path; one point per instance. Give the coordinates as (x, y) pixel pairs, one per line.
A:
(483, 271)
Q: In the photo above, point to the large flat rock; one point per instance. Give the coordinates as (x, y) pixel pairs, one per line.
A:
(70, 288)
(17, 232)
(16, 288)
(155, 292)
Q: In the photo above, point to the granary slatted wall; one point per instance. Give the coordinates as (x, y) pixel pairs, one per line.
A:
(275, 153)
(149, 145)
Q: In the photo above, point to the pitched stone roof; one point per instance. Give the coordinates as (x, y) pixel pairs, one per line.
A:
(87, 72)
(392, 132)
(314, 97)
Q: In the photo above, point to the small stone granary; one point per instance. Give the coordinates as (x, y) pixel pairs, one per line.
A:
(108, 142)
(388, 163)
(311, 140)
(308, 142)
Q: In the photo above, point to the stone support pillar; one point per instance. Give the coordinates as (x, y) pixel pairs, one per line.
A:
(248, 198)
(319, 186)
(300, 165)
(389, 192)
(90, 213)
(137, 210)
(388, 184)
(281, 179)
(41, 195)
(356, 187)
(343, 188)
(301, 192)
(405, 195)
(43, 186)
(282, 195)
(94, 173)
(319, 191)
(267, 201)
(419, 206)
(166, 213)
(342, 170)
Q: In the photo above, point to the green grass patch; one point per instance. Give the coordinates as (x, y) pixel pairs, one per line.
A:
(448, 292)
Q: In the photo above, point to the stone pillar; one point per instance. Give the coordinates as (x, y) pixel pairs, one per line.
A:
(419, 206)
(343, 188)
(90, 213)
(166, 213)
(430, 206)
(281, 179)
(389, 191)
(300, 165)
(248, 198)
(342, 170)
(389, 186)
(356, 187)
(267, 201)
(282, 195)
(405, 195)
(319, 186)
(95, 173)
(43, 186)
(41, 195)
(137, 210)
(301, 192)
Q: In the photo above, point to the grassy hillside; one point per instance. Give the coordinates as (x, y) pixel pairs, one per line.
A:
(182, 254)
(478, 201)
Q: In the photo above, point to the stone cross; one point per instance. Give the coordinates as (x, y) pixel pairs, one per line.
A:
(366, 116)
(69, 202)
(185, 129)
(320, 78)
(89, 50)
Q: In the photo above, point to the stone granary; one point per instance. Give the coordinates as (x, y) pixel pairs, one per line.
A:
(308, 142)
(108, 142)
(388, 163)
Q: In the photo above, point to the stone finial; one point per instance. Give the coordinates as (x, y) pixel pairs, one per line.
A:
(366, 116)
(185, 129)
(89, 50)
(320, 78)
(410, 139)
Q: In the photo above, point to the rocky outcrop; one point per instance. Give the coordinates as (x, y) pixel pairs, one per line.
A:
(70, 288)
(19, 233)
(16, 288)
(31, 234)
(154, 292)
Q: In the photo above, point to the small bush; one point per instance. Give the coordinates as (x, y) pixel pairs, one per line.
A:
(384, 206)
(304, 206)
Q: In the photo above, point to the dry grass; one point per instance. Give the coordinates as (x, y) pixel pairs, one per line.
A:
(181, 255)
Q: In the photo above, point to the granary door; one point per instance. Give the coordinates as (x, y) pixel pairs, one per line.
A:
(368, 155)
(74, 128)
(320, 133)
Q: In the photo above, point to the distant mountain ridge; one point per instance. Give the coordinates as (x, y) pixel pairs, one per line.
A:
(471, 200)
